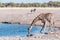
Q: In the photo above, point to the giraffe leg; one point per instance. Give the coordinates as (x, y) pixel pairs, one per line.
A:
(41, 29)
(44, 25)
(33, 22)
(29, 31)
(49, 25)
(53, 25)
(51, 22)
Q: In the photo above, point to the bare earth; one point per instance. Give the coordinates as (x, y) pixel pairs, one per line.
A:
(24, 16)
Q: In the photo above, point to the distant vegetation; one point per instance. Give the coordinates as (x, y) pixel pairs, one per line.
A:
(49, 4)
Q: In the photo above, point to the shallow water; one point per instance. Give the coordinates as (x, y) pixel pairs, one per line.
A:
(18, 30)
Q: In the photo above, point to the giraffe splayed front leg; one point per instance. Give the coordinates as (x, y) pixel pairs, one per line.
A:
(44, 25)
(29, 31)
(33, 22)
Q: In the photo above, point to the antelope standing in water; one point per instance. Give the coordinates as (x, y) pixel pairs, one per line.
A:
(43, 17)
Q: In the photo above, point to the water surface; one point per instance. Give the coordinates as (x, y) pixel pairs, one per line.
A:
(18, 30)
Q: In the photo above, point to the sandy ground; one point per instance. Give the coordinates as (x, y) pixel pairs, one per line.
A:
(24, 16)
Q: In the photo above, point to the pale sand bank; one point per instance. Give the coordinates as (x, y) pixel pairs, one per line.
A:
(16, 15)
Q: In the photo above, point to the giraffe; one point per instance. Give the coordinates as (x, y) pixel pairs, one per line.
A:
(43, 17)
